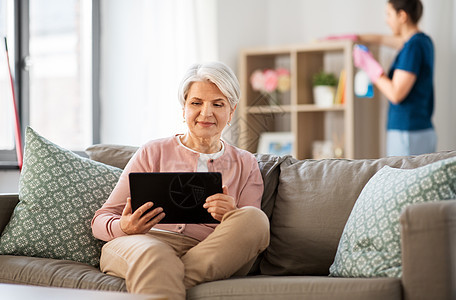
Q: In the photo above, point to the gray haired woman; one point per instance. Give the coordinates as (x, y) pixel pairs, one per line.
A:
(168, 259)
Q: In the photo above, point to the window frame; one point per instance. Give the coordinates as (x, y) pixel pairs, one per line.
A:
(8, 158)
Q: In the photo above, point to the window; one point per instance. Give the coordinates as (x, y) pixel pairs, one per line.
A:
(56, 46)
(6, 107)
(59, 65)
(146, 48)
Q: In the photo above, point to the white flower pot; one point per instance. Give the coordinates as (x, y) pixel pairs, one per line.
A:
(324, 95)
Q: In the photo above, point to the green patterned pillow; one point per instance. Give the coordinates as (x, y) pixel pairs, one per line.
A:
(59, 193)
(370, 245)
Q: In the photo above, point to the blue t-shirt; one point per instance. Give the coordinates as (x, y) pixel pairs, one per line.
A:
(415, 111)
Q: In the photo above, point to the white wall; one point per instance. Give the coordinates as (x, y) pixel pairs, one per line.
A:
(240, 24)
(275, 22)
(9, 181)
(437, 21)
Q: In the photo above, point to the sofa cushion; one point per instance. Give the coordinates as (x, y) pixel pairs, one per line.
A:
(314, 200)
(56, 273)
(270, 169)
(298, 287)
(7, 205)
(113, 155)
(370, 244)
(59, 193)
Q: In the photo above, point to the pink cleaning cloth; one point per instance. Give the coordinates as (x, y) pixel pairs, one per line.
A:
(351, 37)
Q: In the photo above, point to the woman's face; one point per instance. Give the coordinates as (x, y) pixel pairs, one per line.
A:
(392, 19)
(206, 110)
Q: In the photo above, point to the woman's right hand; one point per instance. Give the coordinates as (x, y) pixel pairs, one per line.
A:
(135, 223)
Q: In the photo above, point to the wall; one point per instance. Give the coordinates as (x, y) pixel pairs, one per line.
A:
(240, 24)
(438, 16)
(276, 22)
(9, 181)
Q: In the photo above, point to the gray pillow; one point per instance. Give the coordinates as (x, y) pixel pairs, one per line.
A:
(270, 170)
(113, 155)
(59, 193)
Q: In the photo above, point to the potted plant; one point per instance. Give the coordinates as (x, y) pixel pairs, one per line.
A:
(324, 88)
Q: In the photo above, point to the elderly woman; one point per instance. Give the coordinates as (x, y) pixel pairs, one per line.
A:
(167, 259)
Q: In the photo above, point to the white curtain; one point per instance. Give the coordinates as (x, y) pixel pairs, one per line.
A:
(146, 46)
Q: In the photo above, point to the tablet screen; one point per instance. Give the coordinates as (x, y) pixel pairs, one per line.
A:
(180, 194)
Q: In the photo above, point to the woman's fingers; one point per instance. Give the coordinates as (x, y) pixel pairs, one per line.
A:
(153, 214)
(156, 218)
(218, 217)
(219, 206)
(220, 200)
(225, 190)
(142, 220)
(127, 209)
(139, 212)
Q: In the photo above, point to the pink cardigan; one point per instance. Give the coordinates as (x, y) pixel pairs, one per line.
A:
(240, 173)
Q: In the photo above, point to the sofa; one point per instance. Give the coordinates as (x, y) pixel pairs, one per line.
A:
(308, 203)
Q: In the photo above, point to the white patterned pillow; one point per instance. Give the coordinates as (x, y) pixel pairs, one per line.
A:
(370, 243)
(59, 193)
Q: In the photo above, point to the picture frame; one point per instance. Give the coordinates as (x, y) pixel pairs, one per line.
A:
(276, 143)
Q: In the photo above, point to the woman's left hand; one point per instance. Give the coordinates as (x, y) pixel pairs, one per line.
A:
(219, 204)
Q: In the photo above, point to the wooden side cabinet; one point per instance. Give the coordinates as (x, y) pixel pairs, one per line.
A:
(352, 126)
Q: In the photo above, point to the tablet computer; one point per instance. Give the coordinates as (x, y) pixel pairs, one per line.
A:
(180, 194)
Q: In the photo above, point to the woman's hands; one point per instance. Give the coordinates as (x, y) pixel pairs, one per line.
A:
(219, 204)
(134, 223)
(363, 59)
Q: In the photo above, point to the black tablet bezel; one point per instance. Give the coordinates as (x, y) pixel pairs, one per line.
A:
(157, 187)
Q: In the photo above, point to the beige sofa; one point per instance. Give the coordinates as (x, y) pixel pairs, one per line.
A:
(308, 203)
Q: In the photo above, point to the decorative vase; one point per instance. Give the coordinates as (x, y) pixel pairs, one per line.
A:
(324, 95)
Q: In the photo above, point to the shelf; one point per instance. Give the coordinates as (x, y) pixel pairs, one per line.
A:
(287, 49)
(274, 109)
(354, 125)
(313, 107)
(268, 109)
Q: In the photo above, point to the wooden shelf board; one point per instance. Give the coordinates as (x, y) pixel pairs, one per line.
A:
(322, 46)
(268, 109)
(313, 107)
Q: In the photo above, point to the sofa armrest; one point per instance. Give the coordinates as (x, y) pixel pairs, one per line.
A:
(428, 233)
(7, 204)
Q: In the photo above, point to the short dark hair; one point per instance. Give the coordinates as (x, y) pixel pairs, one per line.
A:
(413, 8)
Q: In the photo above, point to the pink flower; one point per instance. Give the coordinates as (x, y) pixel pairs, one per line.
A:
(257, 80)
(270, 80)
(283, 83)
(282, 72)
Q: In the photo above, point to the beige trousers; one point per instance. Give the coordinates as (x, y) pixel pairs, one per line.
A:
(168, 263)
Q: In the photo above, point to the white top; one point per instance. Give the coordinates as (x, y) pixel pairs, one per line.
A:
(204, 158)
